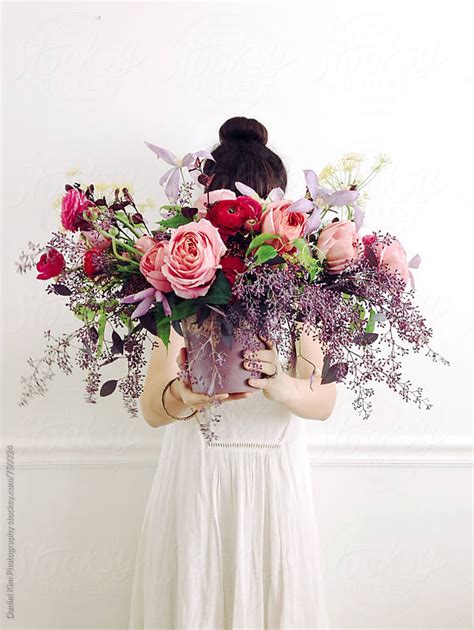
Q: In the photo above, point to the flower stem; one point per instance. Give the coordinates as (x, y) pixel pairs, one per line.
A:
(128, 224)
(114, 247)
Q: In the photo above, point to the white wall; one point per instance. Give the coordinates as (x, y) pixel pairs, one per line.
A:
(84, 85)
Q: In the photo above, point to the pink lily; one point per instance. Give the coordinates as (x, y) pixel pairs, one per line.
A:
(146, 299)
(171, 177)
(321, 197)
(414, 263)
(276, 194)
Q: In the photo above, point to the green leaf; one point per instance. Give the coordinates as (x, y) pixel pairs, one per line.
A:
(121, 214)
(264, 253)
(101, 331)
(313, 267)
(174, 222)
(126, 319)
(183, 310)
(300, 243)
(371, 323)
(173, 207)
(304, 252)
(260, 239)
(219, 293)
(127, 269)
(85, 314)
(163, 328)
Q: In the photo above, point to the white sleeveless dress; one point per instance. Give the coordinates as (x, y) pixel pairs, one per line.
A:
(230, 536)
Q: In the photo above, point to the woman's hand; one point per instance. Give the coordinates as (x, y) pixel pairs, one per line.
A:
(182, 391)
(274, 382)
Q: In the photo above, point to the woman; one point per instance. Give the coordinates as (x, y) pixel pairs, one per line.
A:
(230, 537)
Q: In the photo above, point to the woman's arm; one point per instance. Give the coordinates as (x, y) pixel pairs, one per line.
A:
(162, 367)
(294, 391)
(180, 400)
(318, 403)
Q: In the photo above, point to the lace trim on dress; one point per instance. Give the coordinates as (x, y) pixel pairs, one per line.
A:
(275, 445)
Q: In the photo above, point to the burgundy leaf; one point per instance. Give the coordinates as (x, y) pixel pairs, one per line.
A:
(365, 338)
(202, 313)
(137, 218)
(188, 212)
(117, 343)
(148, 322)
(177, 326)
(108, 388)
(227, 332)
(61, 289)
(335, 373)
(93, 334)
(371, 256)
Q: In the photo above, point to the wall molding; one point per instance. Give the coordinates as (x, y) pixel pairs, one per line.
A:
(146, 455)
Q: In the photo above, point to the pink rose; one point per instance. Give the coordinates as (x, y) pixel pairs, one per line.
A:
(194, 254)
(151, 266)
(289, 225)
(339, 244)
(143, 244)
(393, 255)
(73, 205)
(96, 240)
(214, 195)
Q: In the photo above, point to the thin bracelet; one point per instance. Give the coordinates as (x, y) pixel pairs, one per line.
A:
(168, 385)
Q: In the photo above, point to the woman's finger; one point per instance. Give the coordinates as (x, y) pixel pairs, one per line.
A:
(266, 367)
(185, 392)
(238, 395)
(259, 355)
(259, 383)
(268, 342)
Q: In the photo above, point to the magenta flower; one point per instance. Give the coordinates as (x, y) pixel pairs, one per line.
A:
(50, 264)
(146, 299)
(73, 204)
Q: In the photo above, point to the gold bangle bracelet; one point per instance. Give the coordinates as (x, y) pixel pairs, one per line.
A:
(168, 385)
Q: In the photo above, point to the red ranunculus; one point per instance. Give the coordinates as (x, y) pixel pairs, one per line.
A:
(254, 209)
(231, 266)
(229, 216)
(93, 262)
(50, 264)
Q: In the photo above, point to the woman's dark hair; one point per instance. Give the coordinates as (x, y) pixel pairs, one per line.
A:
(242, 156)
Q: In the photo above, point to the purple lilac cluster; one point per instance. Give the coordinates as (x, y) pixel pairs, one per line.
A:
(342, 312)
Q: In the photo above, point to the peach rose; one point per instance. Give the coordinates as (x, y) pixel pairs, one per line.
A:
(394, 256)
(338, 243)
(214, 195)
(151, 266)
(193, 257)
(144, 243)
(289, 225)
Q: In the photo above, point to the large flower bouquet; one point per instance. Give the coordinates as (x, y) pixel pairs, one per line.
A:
(225, 270)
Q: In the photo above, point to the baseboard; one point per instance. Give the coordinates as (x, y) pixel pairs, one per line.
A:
(397, 453)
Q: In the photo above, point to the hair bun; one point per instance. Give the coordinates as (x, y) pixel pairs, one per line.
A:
(243, 129)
